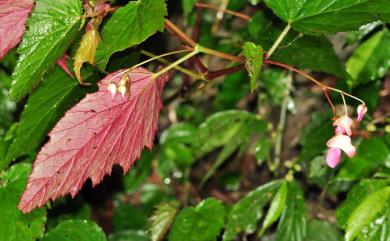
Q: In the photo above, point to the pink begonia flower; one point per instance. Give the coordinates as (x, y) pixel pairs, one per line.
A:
(343, 125)
(361, 110)
(338, 143)
(112, 89)
(333, 157)
(344, 143)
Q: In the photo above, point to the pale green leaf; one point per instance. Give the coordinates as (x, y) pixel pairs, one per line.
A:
(161, 221)
(253, 62)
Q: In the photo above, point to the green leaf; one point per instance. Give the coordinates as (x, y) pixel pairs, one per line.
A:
(188, 6)
(276, 208)
(302, 51)
(329, 16)
(314, 136)
(292, 224)
(378, 229)
(14, 225)
(371, 60)
(51, 28)
(366, 212)
(129, 235)
(245, 214)
(139, 172)
(128, 217)
(253, 62)
(202, 223)
(275, 82)
(161, 220)
(220, 128)
(370, 154)
(322, 231)
(44, 108)
(129, 26)
(72, 230)
(356, 196)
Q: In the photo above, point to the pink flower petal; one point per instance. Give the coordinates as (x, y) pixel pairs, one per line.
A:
(344, 143)
(361, 110)
(333, 157)
(345, 124)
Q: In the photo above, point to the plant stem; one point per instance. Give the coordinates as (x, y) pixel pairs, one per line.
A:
(177, 62)
(218, 9)
(220, 54)
(278, 41)
(179, 68)
(281, 125)
(330, 101)
(174, 29)
(297, 71)
(342, 92)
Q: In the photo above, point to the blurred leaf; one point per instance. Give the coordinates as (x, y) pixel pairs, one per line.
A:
(319, 171)
(329, 16)
(370, 154)
(262, 149)
(275, 82)
(152, 195)
(232, 89)
(51, 28)
(369, 93)
(143, 17)
(14, 225)
(162, 220)
(276, 207)
(245, 214)
(200, 223)
(371, 60)
(128, 217)
(5, 142)
(356, 36)
(188, 6)
(139, 172)
(220, 129)
(129, 235)
(57, 93)
(356, 196)
(72, 230)
(315, 134)
(302, 51)
(322, 231)
(378, 229)
(292, 223)
(253, 62)
(366, 212)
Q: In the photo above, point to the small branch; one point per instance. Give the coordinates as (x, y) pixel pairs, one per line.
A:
(221, 54)
(174, 29)
(200, 65)
(177, 62)
(215, 74)
(271, 62)
(278, 41)
(218, 9)
(330, 102)
(178, 67)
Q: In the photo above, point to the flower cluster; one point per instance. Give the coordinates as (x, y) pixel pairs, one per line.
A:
(341, 141)
(123, 88)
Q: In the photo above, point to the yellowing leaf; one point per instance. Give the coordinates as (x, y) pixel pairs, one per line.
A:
(86, 51)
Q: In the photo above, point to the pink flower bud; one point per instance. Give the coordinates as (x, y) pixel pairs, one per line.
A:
(333, 157)
(112, 89)
(344, 143)
(361, 110)
(343, 125)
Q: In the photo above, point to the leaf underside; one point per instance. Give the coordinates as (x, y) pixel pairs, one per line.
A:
(94, 135)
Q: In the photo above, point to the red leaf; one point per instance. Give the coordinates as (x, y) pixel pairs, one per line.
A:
(13, 16)
(94, 135)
